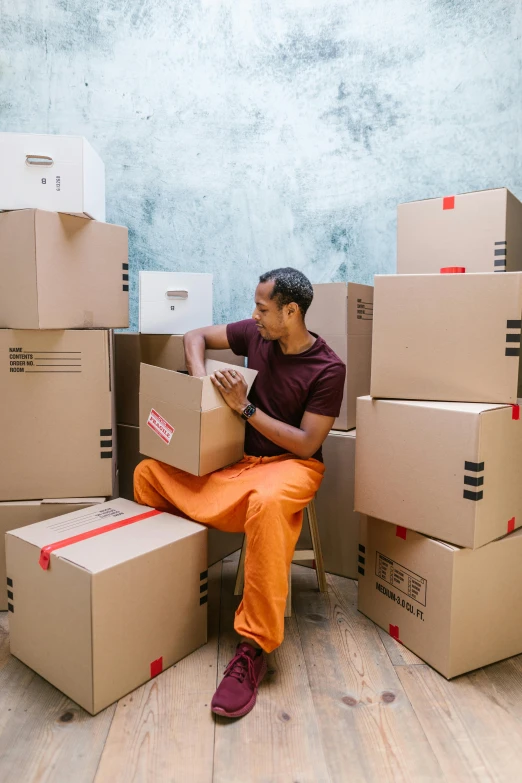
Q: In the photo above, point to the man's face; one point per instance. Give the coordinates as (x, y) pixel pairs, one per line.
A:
(270, 319)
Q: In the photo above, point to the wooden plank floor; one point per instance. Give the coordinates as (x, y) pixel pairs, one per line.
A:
(342, 703)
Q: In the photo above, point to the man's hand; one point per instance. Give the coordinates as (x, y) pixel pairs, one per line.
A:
(233, 388)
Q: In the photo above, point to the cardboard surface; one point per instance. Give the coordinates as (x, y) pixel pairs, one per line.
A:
(220, 544)
(75, 623)
(159, 350)
(185, 422)
(47, 171)
(342, 314)
(448, 470)
(174, 302)
(480, 231)
(457, 609)
(16, 514)
(62, 272)
(334, 503)
(56, 417)
(447, 337)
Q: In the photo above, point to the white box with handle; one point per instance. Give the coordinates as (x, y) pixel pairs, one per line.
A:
(56, 173)
(174, 302)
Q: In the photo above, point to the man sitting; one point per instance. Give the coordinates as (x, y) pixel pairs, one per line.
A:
(292, 406)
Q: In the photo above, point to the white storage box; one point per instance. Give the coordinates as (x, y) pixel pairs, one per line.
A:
(57, 173)
(174, 302)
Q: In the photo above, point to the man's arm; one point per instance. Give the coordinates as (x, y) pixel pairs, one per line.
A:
(197, 341)
(303, 441)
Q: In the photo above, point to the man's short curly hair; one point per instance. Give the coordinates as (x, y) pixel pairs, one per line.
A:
(290, 285)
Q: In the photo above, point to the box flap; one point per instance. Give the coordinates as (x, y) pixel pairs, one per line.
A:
(211, 397)
(110, 548)
(171, 386)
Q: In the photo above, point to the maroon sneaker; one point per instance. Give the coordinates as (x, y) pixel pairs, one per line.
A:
(237, 692)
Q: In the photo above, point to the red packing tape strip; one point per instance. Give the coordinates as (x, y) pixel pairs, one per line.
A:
(45, 552)
(515, 412)
(448, 202)
(511, 525)
(401, 532)
(452, 270)
(156, 667)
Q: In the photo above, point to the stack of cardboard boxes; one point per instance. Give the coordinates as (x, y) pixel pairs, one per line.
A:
(439, 454)
(342, 314)
(64, 286)
(80, 575)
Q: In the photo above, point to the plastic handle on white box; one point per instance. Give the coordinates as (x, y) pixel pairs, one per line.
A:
(38, 160)
(177, 294)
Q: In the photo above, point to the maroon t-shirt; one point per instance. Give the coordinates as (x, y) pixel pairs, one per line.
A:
(287, 384)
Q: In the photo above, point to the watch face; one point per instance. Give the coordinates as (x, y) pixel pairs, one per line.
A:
(249, 411)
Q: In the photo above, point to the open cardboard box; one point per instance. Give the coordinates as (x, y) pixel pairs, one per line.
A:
(186, 423)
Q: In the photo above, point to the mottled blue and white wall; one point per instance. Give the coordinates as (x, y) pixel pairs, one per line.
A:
(239, 135)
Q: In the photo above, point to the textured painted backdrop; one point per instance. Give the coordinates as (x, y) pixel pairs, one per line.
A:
(239, 135)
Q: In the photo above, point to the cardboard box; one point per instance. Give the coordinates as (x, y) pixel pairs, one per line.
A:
(342, 314)
(220, 544)
(74, 622)
(457, 609)
(56, 416)
(160, 350)
(46, 171)
(447, 337)
(480, 231)
(174, 302)
(62, 272)
(334, 503)
(16, 514)
(448, 470)
(186, 423)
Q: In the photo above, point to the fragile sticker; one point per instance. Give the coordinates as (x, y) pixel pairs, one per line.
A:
(160, 426)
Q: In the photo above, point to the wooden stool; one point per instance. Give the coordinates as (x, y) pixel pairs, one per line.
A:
(314, 554)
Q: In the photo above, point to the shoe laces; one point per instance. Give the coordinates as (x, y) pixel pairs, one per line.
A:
(241, 665)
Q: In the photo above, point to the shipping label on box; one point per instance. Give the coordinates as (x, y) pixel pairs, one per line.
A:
(436, 599)
(78, 584)
(447, 337)
(342, 314)
(480, 232)
(57, 414)
(47, 171)
(186, 423)
(62, 272)
(448, 470)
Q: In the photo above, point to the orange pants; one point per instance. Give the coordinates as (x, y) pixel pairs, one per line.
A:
(263, 497)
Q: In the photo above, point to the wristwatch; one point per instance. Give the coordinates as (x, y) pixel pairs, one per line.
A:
(249, 411)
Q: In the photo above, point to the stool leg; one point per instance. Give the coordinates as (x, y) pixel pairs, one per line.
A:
(288, 607)
(240, 576)
(316, 544)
